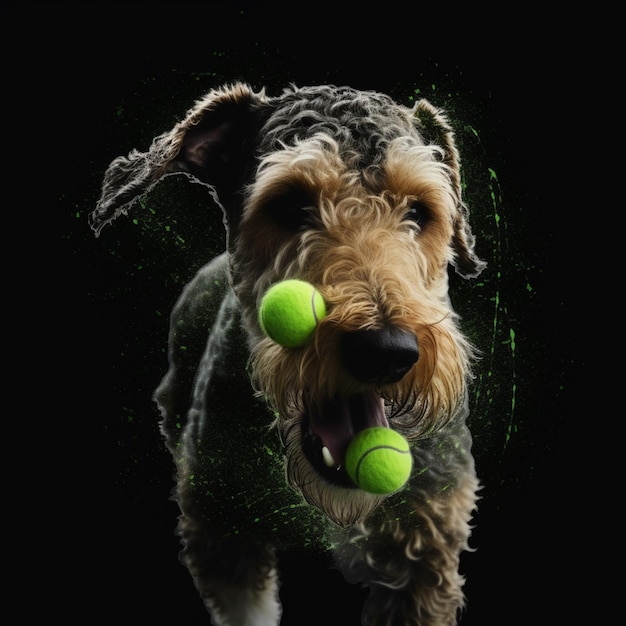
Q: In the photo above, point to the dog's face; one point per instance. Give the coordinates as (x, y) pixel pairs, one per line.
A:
(360, 197)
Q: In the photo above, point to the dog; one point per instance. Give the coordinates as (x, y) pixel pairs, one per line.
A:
(361, 197)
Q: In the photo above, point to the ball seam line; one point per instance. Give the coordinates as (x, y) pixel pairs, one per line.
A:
(313, 307)
(366, 453)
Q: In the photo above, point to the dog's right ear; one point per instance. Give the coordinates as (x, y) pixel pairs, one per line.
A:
(213, 145)
(435, 128)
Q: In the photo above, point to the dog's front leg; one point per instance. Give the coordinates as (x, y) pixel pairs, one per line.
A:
(238, 583)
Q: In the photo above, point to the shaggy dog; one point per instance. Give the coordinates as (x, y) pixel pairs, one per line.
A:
(361, 197)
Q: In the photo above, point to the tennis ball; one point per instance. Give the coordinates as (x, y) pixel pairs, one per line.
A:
(378, 460)
(289, 312)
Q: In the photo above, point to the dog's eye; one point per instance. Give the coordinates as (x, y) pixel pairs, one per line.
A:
(418, 214)
(292, 210)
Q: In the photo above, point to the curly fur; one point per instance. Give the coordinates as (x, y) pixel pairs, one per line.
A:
(361, 197)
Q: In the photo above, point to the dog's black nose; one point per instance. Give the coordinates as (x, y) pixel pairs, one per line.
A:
(379, 356)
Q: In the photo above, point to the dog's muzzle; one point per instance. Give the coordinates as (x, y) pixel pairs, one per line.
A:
(375, 357)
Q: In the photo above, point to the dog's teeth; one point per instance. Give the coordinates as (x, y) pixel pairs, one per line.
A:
(328, 457)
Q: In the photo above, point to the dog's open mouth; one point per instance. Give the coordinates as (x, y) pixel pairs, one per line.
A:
(330, 424)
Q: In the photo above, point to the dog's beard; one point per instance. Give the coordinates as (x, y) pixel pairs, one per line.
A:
(319, 408)
(340, 501)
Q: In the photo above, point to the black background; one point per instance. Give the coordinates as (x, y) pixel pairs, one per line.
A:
(87, 510)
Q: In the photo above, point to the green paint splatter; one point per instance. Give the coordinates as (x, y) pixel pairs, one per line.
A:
(511, 426)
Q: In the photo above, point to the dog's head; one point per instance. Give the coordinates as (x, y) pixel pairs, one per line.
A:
(362, 197)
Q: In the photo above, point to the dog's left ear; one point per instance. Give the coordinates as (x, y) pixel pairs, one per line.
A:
(434, 127)
(211, 145)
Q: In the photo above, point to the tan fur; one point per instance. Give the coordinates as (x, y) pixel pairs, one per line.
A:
(354, 262)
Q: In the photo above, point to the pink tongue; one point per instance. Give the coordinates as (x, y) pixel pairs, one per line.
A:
(336, 421)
